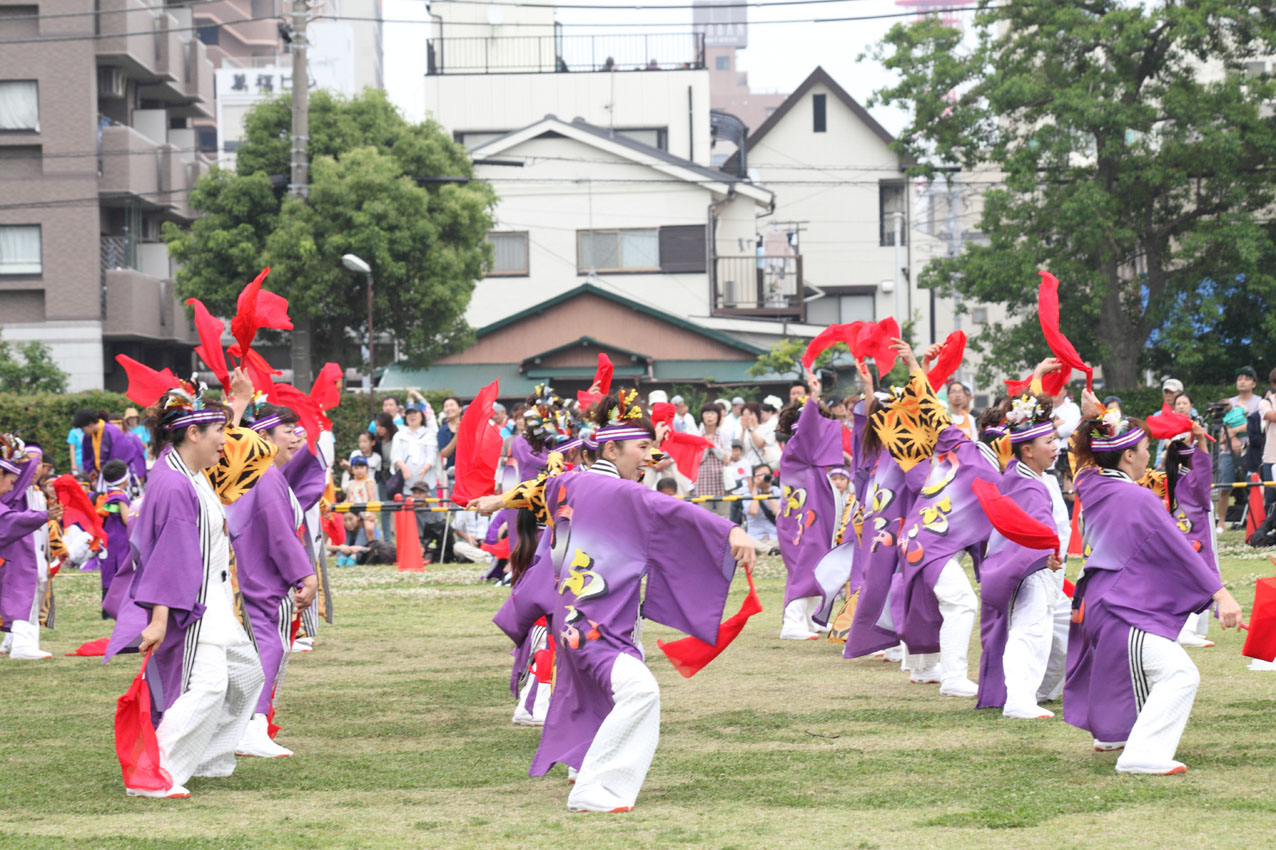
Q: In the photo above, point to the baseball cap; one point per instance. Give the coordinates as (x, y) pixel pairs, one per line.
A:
(736, 444)
(1247, 371)
(359, 461)
(1173, 385)
(1111, 399)
(498, 408)
(737, 400)
(676, 400)
(419, 487)
(657, 397)
(773, 401)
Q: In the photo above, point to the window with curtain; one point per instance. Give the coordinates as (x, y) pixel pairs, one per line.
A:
(618, 250)
(19, 105)
(509, 253)
(20, 249)
(892, 200)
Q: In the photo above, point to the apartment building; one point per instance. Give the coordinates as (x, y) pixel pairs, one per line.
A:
(97, 151)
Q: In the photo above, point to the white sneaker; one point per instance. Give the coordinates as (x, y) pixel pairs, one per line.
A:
(26, 642)
(1108, 746)
(1172, 769)
(7, 644)
(303, 644)
(958, 688)
(1035, 713)
(796, 635)
(177, 792)
(1260, 664)
(929, 676)
(256, 741)
(894, 654)
(1192, 639)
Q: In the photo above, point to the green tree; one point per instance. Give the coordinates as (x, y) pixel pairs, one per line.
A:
(375, 192)
(1136, 147)
(29, 368)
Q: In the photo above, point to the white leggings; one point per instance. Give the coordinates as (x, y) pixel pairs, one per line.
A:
(617, 761)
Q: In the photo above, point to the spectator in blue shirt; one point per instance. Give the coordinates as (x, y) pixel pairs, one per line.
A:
(74, 439)
(389, 405)
(447, 431)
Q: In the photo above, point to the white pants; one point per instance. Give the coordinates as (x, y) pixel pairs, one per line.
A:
(764, 545)
(957, 605)
(1051, 687)
(1027, 654)
(473, 554)
(616, 764)
(540, 705)
(198, 734)
(1160, 669)
(797, 623)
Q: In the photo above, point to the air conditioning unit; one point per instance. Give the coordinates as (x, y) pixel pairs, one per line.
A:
(111, 82)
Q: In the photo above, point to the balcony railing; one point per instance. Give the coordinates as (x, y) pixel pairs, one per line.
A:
(761, 286)
(541, 54)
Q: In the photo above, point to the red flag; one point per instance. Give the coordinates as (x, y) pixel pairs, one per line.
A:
(92, 648)
(875, 341)
(663, 411)
(829, 337)
(1167, 424)
(501, 548)
(949, 359)
(311, 417)
(145, 385)
(244, 326)
(327, 387)
(687, 450)
(602, 377)
(76, 507)
(478, 448)
(272, 311)
(210, 342)
(1260, 643)
(689, 655)
(334, 528)
(258, 369)
(135, 742)
(1012, 521)
(1048, 313)
(1051, 384)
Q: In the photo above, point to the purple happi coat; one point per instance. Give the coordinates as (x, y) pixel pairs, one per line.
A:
(862, 462)
(1193, 503)
(165, 537)
(945, 520)
(1141, 574)
(307, 475)
(20, 574)
(119, 559)
(270, 559)
(526, 464)
(608, 535)
(114, 445)
(1001, 573)
(887, 499)
(808, 514)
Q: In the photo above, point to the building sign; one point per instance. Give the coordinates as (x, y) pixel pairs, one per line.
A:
(725, 23)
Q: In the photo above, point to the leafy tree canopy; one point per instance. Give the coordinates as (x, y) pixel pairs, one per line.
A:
(29, 368)
(1134, 144)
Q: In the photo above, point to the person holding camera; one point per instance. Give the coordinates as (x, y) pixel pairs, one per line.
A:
(1234, 444)
(759, 514)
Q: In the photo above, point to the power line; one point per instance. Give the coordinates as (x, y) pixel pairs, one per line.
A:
(600, 24)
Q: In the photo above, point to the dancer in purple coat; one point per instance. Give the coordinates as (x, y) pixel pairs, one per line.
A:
(204, 676)
(19, 523)
(276, 576)
(1129, 684)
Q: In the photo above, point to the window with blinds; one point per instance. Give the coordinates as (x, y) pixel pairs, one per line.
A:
(20, 249)
(509, 254)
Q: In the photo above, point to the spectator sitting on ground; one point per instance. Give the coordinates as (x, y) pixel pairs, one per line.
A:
(760, 513)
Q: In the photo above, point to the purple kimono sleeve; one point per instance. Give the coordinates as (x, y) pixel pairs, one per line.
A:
(287, 552)
(531, 598)
(817, 441)
(306, 476)
(172, 572)
(15, 525)
(689, 565)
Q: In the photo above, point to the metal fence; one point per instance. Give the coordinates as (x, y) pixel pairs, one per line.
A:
(540, 54)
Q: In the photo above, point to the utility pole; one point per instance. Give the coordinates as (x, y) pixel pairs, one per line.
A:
(899, 293)
(299, 174)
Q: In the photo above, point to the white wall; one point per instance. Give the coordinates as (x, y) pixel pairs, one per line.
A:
(552, 199)
(626, 99)
(75, 346)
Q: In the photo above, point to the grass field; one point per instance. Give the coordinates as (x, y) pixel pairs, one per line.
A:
(400, 720)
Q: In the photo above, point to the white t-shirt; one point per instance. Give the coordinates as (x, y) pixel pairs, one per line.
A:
(735, 473)
(219, 626)
(1269, 431)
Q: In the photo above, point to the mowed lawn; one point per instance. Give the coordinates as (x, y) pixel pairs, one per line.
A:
(401, 723)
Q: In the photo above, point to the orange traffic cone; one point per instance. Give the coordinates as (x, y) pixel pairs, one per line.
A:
(1075, 546)
(1257, 513)
(407, 545)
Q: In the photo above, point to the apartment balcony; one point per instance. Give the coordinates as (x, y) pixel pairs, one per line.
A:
(763, 287)
(140, 301)
(130, 35)
(130, 164)
(547, 54)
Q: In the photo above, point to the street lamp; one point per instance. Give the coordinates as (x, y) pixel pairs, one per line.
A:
(354, 264)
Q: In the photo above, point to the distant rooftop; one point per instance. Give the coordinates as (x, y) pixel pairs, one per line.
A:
(558, 53)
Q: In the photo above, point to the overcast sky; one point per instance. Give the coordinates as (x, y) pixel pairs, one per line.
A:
(778, 58)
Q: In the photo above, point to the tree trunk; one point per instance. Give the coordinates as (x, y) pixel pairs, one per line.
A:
(302, 371)
(1122, 337)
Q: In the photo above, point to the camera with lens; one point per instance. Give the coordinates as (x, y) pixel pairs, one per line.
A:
(767, 479)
